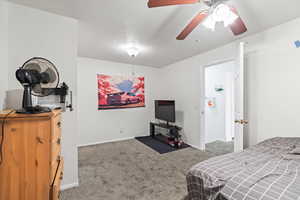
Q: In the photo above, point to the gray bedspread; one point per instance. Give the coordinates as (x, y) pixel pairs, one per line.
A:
(266, 171)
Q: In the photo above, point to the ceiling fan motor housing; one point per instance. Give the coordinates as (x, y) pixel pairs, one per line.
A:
(211, 3)
(208, 2)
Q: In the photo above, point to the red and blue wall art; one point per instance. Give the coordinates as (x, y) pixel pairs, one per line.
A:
(115, 92)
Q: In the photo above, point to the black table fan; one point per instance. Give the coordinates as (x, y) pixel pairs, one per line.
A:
(39, 77)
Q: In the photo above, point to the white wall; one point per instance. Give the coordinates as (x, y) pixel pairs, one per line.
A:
(98, 126)
(37, 33)
(272, 84)
(215, 117)
(3, 51)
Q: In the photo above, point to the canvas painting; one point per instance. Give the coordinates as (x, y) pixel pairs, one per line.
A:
(115, 92)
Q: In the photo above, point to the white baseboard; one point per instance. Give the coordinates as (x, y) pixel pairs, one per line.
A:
(69, 186)
(127, 138)
(107, 141)
(196, 147)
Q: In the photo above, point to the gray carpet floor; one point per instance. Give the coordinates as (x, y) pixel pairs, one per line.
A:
(129, 170)
(219, 147)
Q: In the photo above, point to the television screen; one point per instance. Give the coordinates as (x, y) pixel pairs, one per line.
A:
(165, 110)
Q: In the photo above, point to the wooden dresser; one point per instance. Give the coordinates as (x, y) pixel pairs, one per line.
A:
(32, 166)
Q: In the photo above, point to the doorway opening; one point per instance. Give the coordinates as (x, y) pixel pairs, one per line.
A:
(219, 107)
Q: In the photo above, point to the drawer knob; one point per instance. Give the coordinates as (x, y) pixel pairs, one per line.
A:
(58, 124)
(58, 158)
(58, 141)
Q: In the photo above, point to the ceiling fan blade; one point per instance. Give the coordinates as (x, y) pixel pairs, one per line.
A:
(238, 27)
(192, 25)
(159, 3)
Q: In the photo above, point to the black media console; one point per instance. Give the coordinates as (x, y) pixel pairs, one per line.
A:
(172, 138)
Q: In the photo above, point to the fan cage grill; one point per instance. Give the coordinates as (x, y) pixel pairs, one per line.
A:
(46, 89)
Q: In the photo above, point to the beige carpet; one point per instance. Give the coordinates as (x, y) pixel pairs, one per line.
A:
(219, 147)
(129, 170)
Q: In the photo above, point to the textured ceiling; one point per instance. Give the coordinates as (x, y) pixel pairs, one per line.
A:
(106, 26)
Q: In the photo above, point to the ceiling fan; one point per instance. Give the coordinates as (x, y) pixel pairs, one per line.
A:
(218, 11)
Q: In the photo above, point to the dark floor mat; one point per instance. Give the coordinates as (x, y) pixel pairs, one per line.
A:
(159, 146)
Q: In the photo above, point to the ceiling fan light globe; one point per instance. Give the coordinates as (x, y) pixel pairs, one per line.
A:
(209, 22)
(223, 13)
(220, 12)
(230, 18)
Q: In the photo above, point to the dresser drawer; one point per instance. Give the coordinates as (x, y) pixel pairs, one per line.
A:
(55, 189)
(56, 129)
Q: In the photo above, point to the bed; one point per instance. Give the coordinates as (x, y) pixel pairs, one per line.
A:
(267, 171)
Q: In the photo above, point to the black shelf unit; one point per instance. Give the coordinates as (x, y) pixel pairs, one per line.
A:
(172, 138)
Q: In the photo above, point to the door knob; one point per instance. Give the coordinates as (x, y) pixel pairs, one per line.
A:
(244, 122)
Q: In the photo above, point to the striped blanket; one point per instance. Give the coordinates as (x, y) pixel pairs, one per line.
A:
(267, 171)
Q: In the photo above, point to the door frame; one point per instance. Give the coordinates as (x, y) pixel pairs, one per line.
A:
(202, 98)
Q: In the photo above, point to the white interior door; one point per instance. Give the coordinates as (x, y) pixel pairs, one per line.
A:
(240, 121)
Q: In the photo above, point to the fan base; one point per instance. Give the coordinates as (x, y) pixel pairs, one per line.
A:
(34, 110)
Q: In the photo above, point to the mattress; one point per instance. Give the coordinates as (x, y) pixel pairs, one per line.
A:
(266, 171)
